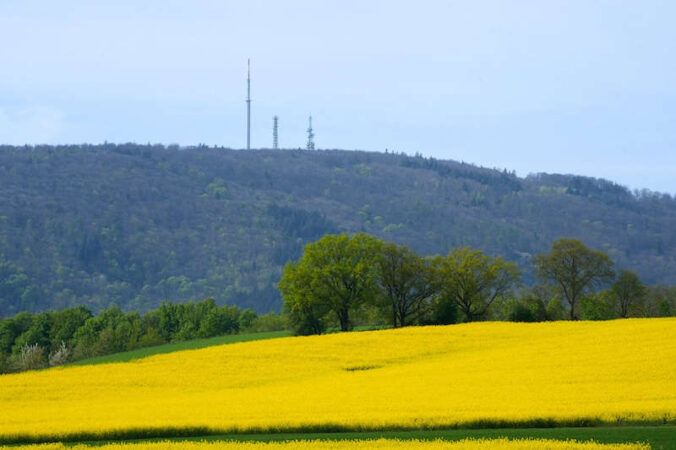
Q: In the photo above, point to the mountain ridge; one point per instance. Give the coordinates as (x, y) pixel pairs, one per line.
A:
(133, 225)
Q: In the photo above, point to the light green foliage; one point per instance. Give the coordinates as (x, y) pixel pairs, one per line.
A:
(217, 189)
(335, 274)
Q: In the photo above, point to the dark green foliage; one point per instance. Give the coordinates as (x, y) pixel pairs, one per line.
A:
(474, 281)
(575, 269)
(598, 306)
(32, 341)
(627, 293)
(407, 284)
(133, 225)
(444, 311)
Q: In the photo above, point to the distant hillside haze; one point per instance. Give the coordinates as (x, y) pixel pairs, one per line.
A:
(134, 225)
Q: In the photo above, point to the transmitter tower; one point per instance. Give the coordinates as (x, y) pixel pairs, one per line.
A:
(275, 135)
(248, 104)
(310, 136)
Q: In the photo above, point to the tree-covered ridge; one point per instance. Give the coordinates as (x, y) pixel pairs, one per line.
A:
(134, 225)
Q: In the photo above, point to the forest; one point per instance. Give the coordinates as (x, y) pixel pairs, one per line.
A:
(134, 226)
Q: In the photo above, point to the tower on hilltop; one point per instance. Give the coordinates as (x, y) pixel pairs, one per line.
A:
(275, 135)
(248, 104)
(310, 136)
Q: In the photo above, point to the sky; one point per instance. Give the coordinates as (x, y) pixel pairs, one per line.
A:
(576, 86)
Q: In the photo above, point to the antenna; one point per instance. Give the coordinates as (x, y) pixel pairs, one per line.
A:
(275, 141)
(310, 136)
(248, 104)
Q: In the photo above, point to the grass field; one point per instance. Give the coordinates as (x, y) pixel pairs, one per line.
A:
(178, 346)
(380, 444)
(658, 437)
(482, 375)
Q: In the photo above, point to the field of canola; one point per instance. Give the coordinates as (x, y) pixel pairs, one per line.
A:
(381, 444)
(420, 377)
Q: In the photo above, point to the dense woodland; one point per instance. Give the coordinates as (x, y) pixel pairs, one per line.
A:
(136, 225)
(34, 341)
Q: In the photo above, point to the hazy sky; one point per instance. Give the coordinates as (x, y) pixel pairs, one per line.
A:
(586, 87)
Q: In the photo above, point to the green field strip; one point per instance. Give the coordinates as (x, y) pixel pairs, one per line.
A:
(659, 437)
(193, 344)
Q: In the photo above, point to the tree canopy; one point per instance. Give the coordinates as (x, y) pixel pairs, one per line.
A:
(575, 268)
(475, 280)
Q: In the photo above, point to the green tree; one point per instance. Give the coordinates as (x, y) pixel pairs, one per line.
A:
(575, 268)
(337, 272)
(407, 281)
(475, 280)
(628, 291)
(597, 306)
(304, 309)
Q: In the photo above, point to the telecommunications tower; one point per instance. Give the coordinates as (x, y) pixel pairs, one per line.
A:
(248, 104)
(310, 136)
(275, 141)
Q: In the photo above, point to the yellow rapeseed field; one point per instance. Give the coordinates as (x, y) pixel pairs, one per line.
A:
(417, 377)
(381, 444)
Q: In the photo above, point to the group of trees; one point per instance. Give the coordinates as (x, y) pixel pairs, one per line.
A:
(30, 341)
(341, 277)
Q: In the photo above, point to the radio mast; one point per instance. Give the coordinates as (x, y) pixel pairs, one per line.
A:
(310, 136)
(248, 104)
(275, 135)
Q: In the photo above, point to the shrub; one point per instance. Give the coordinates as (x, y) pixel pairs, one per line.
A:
(32, 357)
(59, 356)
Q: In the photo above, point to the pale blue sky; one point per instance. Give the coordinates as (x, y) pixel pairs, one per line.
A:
(585, 87)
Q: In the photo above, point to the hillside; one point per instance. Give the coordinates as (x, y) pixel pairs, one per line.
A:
(134, 225)
(479, 375)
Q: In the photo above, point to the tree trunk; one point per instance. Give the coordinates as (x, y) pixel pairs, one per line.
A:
(344, 318)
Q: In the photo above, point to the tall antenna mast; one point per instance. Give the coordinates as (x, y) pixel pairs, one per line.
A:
(248, 104)
(275, 141)
(310, 136)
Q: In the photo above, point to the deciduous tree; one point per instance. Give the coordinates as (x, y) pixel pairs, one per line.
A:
(575, 268)
(628, 291)
(337, 272)
(407, 280)
(475, 280)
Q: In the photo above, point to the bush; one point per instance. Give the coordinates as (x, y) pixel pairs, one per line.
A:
(597, 307)
(521, 312)
(268, 322)
(32, 357)
(443, 311)
(151, 337)
(59, 356)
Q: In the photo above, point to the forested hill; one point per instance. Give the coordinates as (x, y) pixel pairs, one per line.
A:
(134, 225)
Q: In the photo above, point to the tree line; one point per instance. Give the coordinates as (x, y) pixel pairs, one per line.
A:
(33, 341)
(341, 280)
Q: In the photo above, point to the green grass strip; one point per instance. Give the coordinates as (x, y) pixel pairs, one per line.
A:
(659, 437)
(178, 346)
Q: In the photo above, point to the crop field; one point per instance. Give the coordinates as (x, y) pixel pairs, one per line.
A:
(476, 375)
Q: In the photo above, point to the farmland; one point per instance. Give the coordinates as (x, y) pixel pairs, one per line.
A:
(479, 375)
